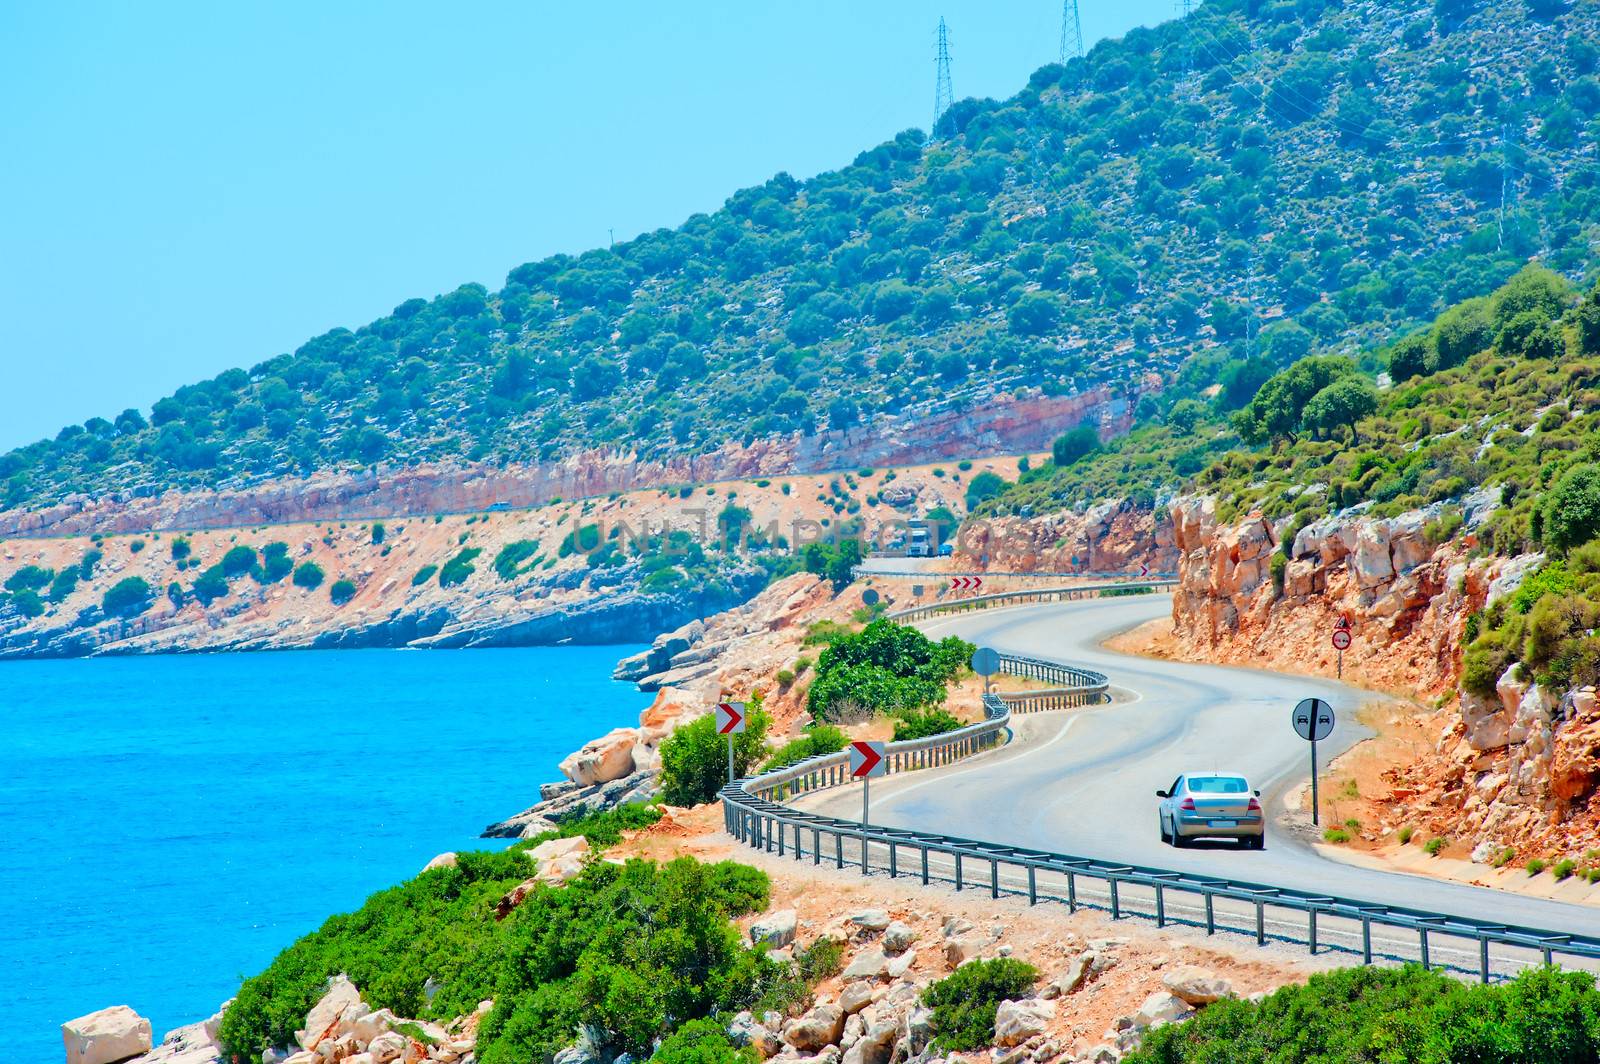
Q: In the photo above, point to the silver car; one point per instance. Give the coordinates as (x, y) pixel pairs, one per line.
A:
(1211, 805)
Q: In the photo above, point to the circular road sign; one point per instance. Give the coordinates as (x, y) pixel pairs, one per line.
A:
(1312, 719)
(870, 597)
(985, 661)
(1341, 639)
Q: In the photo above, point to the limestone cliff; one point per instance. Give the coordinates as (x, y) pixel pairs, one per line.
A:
(1113, 537)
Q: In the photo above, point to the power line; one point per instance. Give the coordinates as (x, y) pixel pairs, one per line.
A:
(1071, 31)
(943, 95)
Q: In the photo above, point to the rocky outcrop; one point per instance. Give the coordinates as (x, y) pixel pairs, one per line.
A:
(340, 1026)
(107, 1036)
(1113, 537)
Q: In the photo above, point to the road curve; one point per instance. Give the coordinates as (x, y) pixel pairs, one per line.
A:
(1084, 782)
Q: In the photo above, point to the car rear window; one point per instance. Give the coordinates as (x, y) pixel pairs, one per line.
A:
(1217, 785)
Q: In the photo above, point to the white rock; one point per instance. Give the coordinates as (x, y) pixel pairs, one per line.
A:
(868, 964)
(898, 936)
(323, 1019)
(856, 996)
(444, 860)
(602, 760)
(108, 1035)
(898, 966)
(1196, 986)
(1017, 1021)
(871, 919)
(775, 929)
(386, 1047)
(560, 859)
(821, 1026)
(1162, 1008)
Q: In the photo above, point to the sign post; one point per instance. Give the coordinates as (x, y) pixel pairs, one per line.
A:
(730, 722)
(1341, 641)
(1313, 719)
(866, 761)
(985, 662)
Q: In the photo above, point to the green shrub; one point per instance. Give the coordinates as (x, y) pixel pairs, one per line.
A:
(1435, 846)
(308, 575)
(458, 568)
(423, 575)
(1405, 835)
(694, 758)
(91, 558)
(1336, 835)
(238, 561)
(823, 959)
(135, 546)
(785, 678)
(702, 1042)
(275, 563)
(342, 591)
(964, 1003)
(508, 563)
(821, 739)
(1535, 866)
(180, 548)
(378, 532)
(1564, 868)
(921, 724)
(210, 585)
(1502, 857)
(64, 583)
(1387, 1014)
(128, 597)
(602, 828)
(26, 602)
(632, 952)
(29, 578)
(884, 668)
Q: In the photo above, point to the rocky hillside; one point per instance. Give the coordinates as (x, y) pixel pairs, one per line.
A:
(620, 568)
(1127, 221)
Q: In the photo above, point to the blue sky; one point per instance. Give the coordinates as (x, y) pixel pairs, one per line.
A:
(190, 186)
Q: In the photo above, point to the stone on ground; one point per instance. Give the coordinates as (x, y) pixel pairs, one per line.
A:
(108, 1035)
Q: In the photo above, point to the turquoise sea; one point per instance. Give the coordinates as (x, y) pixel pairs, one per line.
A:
(171, 822)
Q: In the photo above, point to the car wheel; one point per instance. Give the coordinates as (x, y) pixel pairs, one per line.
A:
(1161, 825)
(1178, 841)
(1259, 843)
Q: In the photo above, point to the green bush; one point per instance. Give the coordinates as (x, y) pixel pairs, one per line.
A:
(378, 532)
(602, 829)
(238, 561)
(508, 563)
(423, 575)
(1358, 1015)
(308, 575)
(210, 585)
(342, 591)
(964, 1003)
(128, 597)
(702, 1042)
(1572, 510)
(919, 724)
(458, 568)
(275, 563)
(884, 668)
(1405, 835)
(819, 740)
(1336, 835)
(694, 758)
(632, 952)
(823, 959)
(180, 548)
(1564, 868)
(26, 602)
(29, 578)
(1435, 846)
(1535, 866)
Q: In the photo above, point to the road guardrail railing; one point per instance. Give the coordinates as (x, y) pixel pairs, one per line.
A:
(754, 814)
(1030, 597)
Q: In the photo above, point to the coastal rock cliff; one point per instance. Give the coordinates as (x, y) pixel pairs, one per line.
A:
(1117, 536)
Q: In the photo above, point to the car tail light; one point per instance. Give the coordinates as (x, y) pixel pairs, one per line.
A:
(1187, 804)
(1255, 806)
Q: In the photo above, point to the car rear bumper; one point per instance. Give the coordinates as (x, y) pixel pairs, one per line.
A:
(1195, 827)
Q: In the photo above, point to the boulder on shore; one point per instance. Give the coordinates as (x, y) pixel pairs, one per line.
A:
(106, 1036)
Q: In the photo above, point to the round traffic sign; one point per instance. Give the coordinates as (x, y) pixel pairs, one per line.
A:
(985, 661)
(1341, 639)
(870, 597)
(1312, 719)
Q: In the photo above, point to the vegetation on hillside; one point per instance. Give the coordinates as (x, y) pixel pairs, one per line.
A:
(885, 668)
(1331, 171)
(1363, 1015)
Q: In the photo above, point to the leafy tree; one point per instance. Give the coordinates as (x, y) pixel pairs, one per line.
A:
(836, 561)
(275, 562)
(702, 1042)
(26, 602)
(1535, 288)
(342, 591)
(29, 578)
(1274, 415)
(1185, 416)
(210, 585)
(459, 567)
(1409, 357)
(1572, 509)
(128, 597)
(308, 575)
(694, 758)
(814, 742)
(1077, 443)
(885, 668)
(1344, 402)
(983, 487)
(1459, 333)
(238, 561)
(1035, 314)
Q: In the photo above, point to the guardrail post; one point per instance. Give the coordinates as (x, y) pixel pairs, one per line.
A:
(994, 877)
(1422, 939)
(1116, 906)
(958, 871)
(799, 845)
(1261, 922)
(1161, 906)
(1033, 892)
(893, 869)
(1311, 930)
(816, 846)
(863, 852)
(777, 824)
(1483, 959)
(838, 848)
(924, 865)
(1211, 914)
(1366, 939)
(1072, 893)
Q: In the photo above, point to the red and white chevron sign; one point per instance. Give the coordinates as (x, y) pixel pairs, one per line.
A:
(965, 583)
(866, 760)
(1144, 570)
(730, 718)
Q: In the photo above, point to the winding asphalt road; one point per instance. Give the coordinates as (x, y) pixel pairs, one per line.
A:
(1084, 782)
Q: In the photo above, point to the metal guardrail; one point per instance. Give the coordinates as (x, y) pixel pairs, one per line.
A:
(928, 576)
(1037, 595)
(752, 813)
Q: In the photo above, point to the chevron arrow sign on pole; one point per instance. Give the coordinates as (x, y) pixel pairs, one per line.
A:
(730, 718)
(866, 760)
(965, 583)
